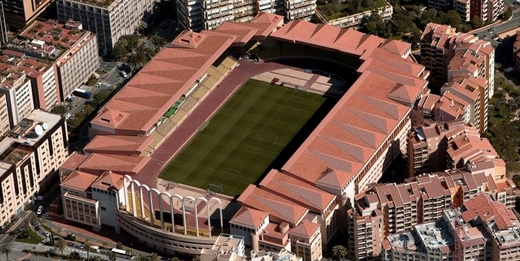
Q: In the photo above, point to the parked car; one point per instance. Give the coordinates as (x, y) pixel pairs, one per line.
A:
(70, 244)
(40, 210)
(123, 73)
(38, 228)
(509, 70)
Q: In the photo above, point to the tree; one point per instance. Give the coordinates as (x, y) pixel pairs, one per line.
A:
(74, 255)
(87, 246)
(451, 17)
(138, 59)
(119, 245)
(61, 245)
(507, 14)
(141, 258)
(128, 252)
(111, 256)
(141, 27)
(477, 22)
(59, 109)
(174, 258)
(196, 258)
(339, 251)
(105, 244)
(119, 51)
(158, 41)
(6, 251)
(153, 257)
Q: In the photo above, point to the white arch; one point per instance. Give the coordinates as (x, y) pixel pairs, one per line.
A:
(220, 209)
(181, 199)
(194, 208)
(152, 210)
(160, 195)
(128, 181)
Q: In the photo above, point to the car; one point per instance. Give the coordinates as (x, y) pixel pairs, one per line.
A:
(38, 228)
(509, 70)
(46, 233)
(98, 84)
(70, 244)
(40, 210)
(123, 73)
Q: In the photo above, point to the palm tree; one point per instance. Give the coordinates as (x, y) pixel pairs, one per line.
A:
(87, 246)
(174, 258)
(339, 251)
(196, 258)
(141, 258)
(153, 257)
(6, 251)
(61, 245)
(128, 252)
(105, 244)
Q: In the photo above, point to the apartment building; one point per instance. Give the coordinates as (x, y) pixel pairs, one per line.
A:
(17, 87)
(473, 91)
(74, 50)
(386, 209)
(109, 20)
(487, 10)
(29, 159)
(463, 7)
(447, 53)
(208, 15)
(41, 74)
(482, 229)
(427, 145)
(19, 13)
(3, 25)
(469, 148)
(4, 115)
(436, 146)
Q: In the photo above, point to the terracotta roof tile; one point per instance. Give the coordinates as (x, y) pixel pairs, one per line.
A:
(305, 229)
(109, 181)
(271, 204)
(73, 161)
(118, 144)
(298, 191)
(99, 163)
(248, 217)
(79, 180)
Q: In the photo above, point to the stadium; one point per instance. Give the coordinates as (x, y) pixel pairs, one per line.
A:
(202, 128)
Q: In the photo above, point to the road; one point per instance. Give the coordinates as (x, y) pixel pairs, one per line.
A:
(18, 247)
(494, 31)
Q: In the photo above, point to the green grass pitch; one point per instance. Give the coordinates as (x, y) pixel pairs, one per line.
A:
(243, 138)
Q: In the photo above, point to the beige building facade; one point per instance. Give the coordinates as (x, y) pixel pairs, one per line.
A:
(108, 21)
(30, 157)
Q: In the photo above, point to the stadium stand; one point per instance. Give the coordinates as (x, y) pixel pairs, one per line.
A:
(179, 116)
(212, 70)
(229, 62)
(268, 53)
(289, 49)
(200, 92)
(189, 104)
(319, 53)
(165, 127)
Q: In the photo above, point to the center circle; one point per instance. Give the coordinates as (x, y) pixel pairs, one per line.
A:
(260, 139)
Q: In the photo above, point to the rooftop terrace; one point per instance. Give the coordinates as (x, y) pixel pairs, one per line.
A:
(48, 39)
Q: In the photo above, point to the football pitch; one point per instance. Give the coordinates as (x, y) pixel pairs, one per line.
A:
(239, 143)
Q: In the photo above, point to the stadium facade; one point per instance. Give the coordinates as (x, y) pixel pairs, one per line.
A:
(301, 207)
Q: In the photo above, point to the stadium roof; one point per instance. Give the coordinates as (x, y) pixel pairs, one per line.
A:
(143, 100)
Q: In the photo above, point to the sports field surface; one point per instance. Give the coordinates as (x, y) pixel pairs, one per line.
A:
(239, 143)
